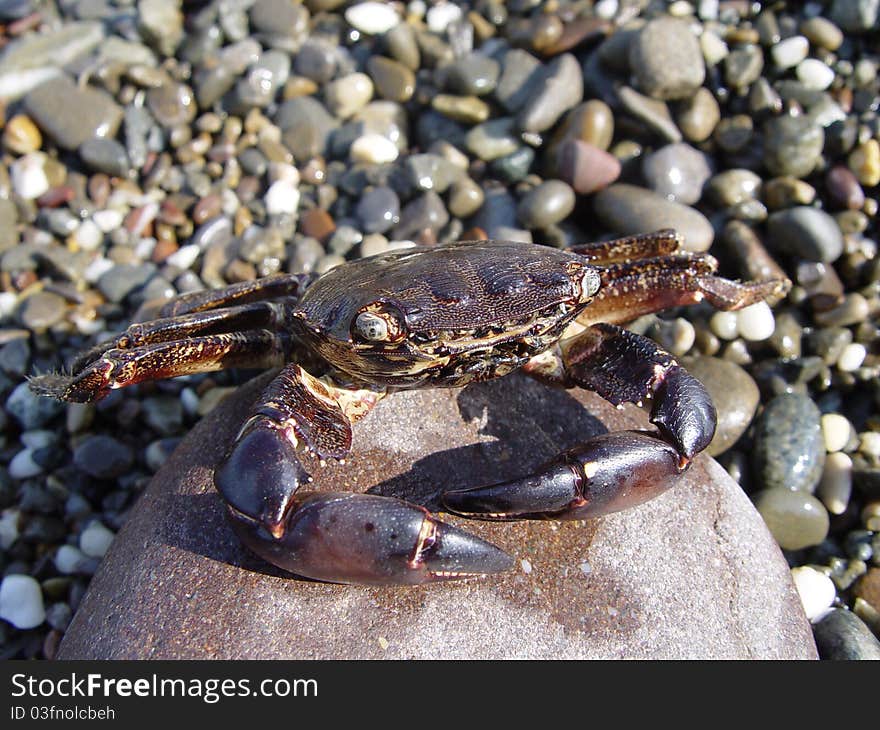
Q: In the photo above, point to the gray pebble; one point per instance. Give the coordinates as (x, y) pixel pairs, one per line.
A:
(792, 145)
(561, 88)
(856, 16)
(41, 310)
(378, 210)
(103, 457)
(8, 224)
(734, 186)
(31, 410)
(430, 172)
(651, 112)
(492, 139)
(841, 635)
(123, 279)
(161, 24)
(316, 60)
(472, 75)
(805, 232)
(105, 155)
(424, 212)
(520, 75)
(465, 198)
(795, 519)
(789, 450)
(550, 202)
(677, 172)
(743, 66)
(628, 209)
(163, 414)
(280, 18)
(513, 167)
(666, 60)
(306, 125)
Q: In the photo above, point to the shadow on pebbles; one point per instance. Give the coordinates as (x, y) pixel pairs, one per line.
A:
(692, 574)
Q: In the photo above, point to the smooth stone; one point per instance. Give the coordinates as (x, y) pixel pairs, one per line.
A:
(591, 122)
(521, 74)
(41, 310)
(425, 212)
(814, 75)
(316, 60)
(21, 135)
(161, 24)
(817, 590)
(550, 202)
(177, 542)
(8, 224)
(31, 410)
(841, 635)
(843, 188)
(835, 487)
(402, 46)
(852, 310)
(373, 18)
(855, 16)
(805, 232)
(392, 79)
(374, 149)
(279, 18)
(561, 88)
(493, 139)
(378, 210)
(733, 186)
(822, 32)
(21, 601)
(585, 167)
(105, 155)
(790, 52)
(734, 393)
(472, 75)
(698, 116)
(789, 451)
(628, 209)
(465, 109)
(103, 457)
(792, 145)
(306, 125)
(666, 60)
(651, 112)
(348, 95)
(123, 279)
(514, 167)
(430, 172)
(677, 172)
(743, 66)
(70, 114)
(465, 198)
(796, 520)
(864, 161)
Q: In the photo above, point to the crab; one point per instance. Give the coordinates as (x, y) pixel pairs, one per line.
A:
(441, 316)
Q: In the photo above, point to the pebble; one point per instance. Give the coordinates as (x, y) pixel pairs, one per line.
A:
(789, 451)
(835, 486)
(725, 325)
(796, 519)
(864, 161)
(30, 410)
(21, 135)
(852, 357)
(95, 540)
(306, 126)
(393, 80)
(755, 323)
(650, 112)
(843, 188)
(836, 431)
(425, 212)
(822, 32)
(440, 16)
(373, 18)
(103, 457)
(105, 155)
(628, 209)
(71, 114)
(805, 232)
(21, 601)
(852, 310)
(29, 176)
(472, 75)
(792, 145)
(378, 210)
(743, 66)
(678, 172)
(561, 88)
(492, 139)
(546, 204)
(23, 466)
(282, 198)
(348, 95)
(841, 635)
(374, 149)
(855, 16)
(69, 560)
(790, 52)
(9, 527)
(814, 74)
(465, 109)
(521, 73)
(698, 115)
(586, 167)
(816, 591)
(666, 59)
(465, 198)
(734, 394)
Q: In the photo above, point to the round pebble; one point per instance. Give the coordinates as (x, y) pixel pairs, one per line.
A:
(835, 487)
(755, 323)
(21, 601)
(373, 148)
(378, 210)
(805, 232)
(836, 431)
(816, 591)
(814, 74)
(666, 59)
(852, 357)
(586, 167)
(678, 172)
(21, 135)
(29, 176)
(841, 635)
(790, 52)
(103, 457)
(796, 520)
(371, 17)
(548, 203)
(95, 540)
(792, 145)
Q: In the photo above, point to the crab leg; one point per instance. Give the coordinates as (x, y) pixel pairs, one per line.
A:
(337, 537)
(270, 287)
(117, 368)
(617, 470)
(629, 248)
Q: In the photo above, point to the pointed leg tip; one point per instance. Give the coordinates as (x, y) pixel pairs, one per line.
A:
(459, 554)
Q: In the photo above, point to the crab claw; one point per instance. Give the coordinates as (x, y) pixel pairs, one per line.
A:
(368, 539)
(608, 473)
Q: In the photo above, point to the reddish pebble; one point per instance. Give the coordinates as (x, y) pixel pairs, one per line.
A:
(844, 188)
(99, 189)
(317, 223)
(170, 213)
(55, 197)
(474, 234)
(206, 208)
(586, 167)
(162, 250)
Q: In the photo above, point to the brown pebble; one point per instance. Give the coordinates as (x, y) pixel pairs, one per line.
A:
(162, 250)
(299, 86)
(581, 30)
(474, 234)
(844, 188)
(868, 588)
(754, 261)
(207, 208)
(393, 80)
(545, 31)
(586, 167)
(139, 221)
(99, 189)
(239, 270)
(317, 223)
(56, 196)
(21, 135)
(170, 213)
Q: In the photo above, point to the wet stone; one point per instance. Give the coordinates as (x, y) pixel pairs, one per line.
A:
(424, 212)
(378, 210)
(805, 232)
(172, 104)
(105, 155)
(279, 18)
(316, 60)
(306, 126)
(734, 394)
(465, 198)
(492, 139)
(792, 145)
(789, 450)
(393, 80)
(651, 112)
(430, 172)
(71, 114)
(513, 167)
(677, 172)
(42, 310)
(548, 203)
(103, 457)
(666, 60)
(177, 542)
(8, 224)
(841, 635)
(628, 209)
(472, 75)
(743, 66)
(795, 519)
(161, 23)
(585, 167)
(123, 279)
(30, 410)
(520, 75)
(561, 88)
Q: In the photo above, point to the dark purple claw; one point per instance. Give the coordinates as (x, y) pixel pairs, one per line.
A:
(608, 473)
(368, 539)
(683, 411)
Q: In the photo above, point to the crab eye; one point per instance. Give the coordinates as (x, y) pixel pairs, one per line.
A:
(590, 282)
(371, 326)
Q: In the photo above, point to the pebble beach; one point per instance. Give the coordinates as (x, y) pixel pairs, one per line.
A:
(154, 148)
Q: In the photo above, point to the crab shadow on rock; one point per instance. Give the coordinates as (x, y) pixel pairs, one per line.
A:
(511, 425)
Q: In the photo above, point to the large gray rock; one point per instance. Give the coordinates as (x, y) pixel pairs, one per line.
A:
(693, 573)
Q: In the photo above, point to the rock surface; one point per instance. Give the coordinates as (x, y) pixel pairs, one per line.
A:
(693, 573)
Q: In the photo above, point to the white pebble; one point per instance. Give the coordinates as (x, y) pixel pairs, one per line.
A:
(836, 485)
(89, 235)
(606, 9)
(283, 171)
(8, 304)
(714, 49)
(28, 177)
(790, 52)
(97, 268)
(815, 589)
(526, 566)
(401, 243)
(440, 16)
(69, 559)
(23, 465)
(373, 18)
(109, 219)
(869, 443)
(417, 8)
(21, 601)
(184, 257)
(708, 9)
(373, 148)
(836, 431)
(282, 197)
(814, 74)
(8, 528)
(37, 438)
(95, 540)
(756, 322)
(852, 357)
(724, 325)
